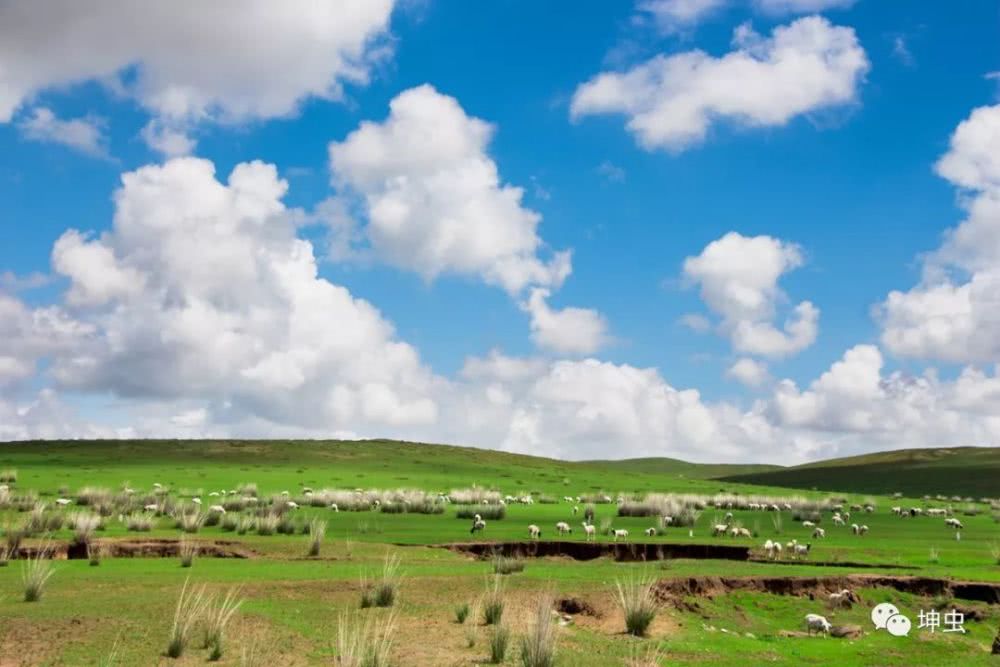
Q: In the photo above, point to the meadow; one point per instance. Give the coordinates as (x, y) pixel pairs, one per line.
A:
(303, 604)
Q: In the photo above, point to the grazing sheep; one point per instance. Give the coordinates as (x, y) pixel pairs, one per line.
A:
(650, 532)
(787, 506)
(769, 549)
(213, 494)
(856, 529)
(667, 520)
(62, 502)
(620, 532)
(568, 499)
(563, 527)
(590, 532)
(534, 532)
(838, 520)
(802, 550)
(575, 510)
(719, 529)
(819, 533)
(740, 532)
(953, 522)
(292, 505)
(196, 501)
(478, 524)
(897, 510)
(816, 623)
(477, 517)
(791, 545)
(217, 509)
(863, 530)
(151, 507)
(808, 524)
(729, 517)
(841, 599)
(334, 507)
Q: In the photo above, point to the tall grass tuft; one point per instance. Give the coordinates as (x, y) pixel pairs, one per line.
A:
(83, 525)
(95, 552)
(188, 551)
(216, 619)
(487, 512)
(387, 587)
(651, 657)
(267, 524)
(317, 529)
(229, 523)
(366, 643)
(191, 523)
(777, 522)
(461, 612)
(635, 597)
(493, 601)
(35, 573)
(504, 565)
(471, 630)
(499, 641)
(139, 523)
(538, 646)
(935, 555)
(189, 612)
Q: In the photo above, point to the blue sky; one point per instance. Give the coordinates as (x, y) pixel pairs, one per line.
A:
(839, 181)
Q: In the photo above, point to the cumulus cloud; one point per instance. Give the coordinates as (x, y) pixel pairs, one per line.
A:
(749, 372)
(779, 7)
(611, 172)
(671, 101)
(201, 290)
(84, 135)
(953, 314)
(738, 280)
(227, 61)
(674, 15)
(568, 330)
(433, 197)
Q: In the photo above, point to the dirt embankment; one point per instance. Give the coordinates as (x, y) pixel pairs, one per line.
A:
(140, 548)
(813, 587)
(625, 552)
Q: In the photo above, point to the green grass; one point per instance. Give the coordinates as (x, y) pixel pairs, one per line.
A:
(966, 471)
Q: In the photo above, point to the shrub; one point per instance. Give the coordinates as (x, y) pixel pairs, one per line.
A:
(188, 551)
(387, 587)
(247, 489)
(538, 647)
(471, 630)
(317, 529)
(190, 609)
(83, 525)
(461, 612)
(635, 597)
(191, 523)
(267, 524)
(217, 617)
(499, 641)
(139, 523)
(285, 526)
(35, 573)
(93, 496)
(365, 643)
(95, 551)
(493, 601)
(487, 512)
(212, 519)
(244, 525)
(588, 513)
(229, 523)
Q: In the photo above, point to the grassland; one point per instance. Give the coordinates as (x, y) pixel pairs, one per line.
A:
(120, 612)
(967, 471)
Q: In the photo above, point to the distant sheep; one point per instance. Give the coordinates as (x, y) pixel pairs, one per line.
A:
(62, 502)
(650, 532)
(589, 531)
(817, 623)
(801, 550)
(819, 533)
(808, 524)
(719, 529)
(620, 533)
(952, 522)
(562, 527)
(478, 525)
(217, 509)
(575, 510)
(841, 599)
(534, 532)
(334, 507)
(292, 505)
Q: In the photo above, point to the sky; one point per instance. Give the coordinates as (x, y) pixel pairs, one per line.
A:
(719, 230)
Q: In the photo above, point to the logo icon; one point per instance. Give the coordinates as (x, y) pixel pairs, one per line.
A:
(882, 613)
(898, 625)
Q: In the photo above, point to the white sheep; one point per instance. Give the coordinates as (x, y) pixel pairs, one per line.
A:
(816, 623)
(856, 529)
(477, 517)
(151, 507)
(568, 499)
(953, 522)
(808, 524)
(650, 532)
(534, 532)
(334, 507)
(196, 501)
(292, 505)
(802, 550)
(563, 527)
(213, 494)
(62, 502)
(589, 531)
(863, 530)
(769, 549)
(575, 510)
(819, 533)
(719, 529)
(217, 509)
(841, 599)
(667, 520)
(620, 532)
(478, 524)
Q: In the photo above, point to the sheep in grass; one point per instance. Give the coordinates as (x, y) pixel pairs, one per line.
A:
(216, 509)
(801, 550)
(838, 520)
(334, 507)
(151, 507)
(719, 529)
(534, 532)
(856, 529)
(292, 505)
(477, 525)
(769, 549)
(575, 510)
(667, 520)
(196, 500)
(650, 532)
(816, 623)
(954, 523)
(589, 532)
(63, 502)
(841, 599)
(863, 530)
(819, 533)
(740, 532)
(808, 524)
(620, 533)
(562, 527)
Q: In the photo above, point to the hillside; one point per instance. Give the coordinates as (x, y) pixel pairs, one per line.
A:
(966, 471)
(679, 468)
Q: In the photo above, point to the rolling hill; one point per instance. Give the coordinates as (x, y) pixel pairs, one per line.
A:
(677, 467)
(965, 471)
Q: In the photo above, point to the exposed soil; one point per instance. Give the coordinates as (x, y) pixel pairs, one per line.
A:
(575, 605)
(811, 587)
(141, 548)
(622, 551)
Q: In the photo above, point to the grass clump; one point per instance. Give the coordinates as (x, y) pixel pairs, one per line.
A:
(95, 552)
(935, 555)
(461, 612)
(504, 565)
(317, 529)
(493, 602)
(188, 551)
(635, 597)
(499, 641)
(141, 523)
(387, 587)
(268, 524)
(216, 619)
(486, 512)
(229, 523)
(365, 643)
(35, 574)
(191, 523)
(191, 605)
(538, 646)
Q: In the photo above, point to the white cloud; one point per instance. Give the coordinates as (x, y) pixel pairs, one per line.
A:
(672, 101)
(434, 199)
(696, 322)
(575, 331)
(85, 135)
(226, 61)
(953, 314)
(779, 7)
(674, 15)
(901, 51)
(202, 292)
(612, 172)
(749, 372)
(738, 280)
(167, 139)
